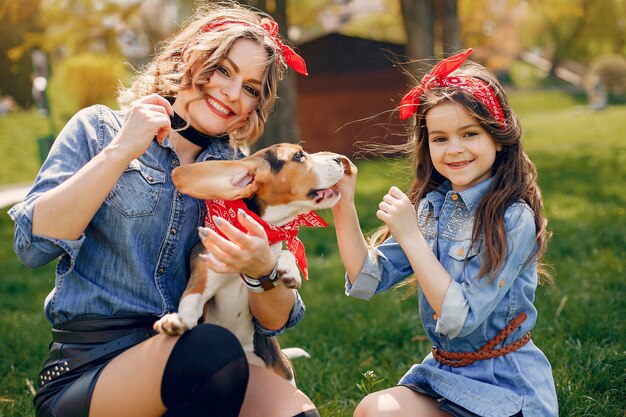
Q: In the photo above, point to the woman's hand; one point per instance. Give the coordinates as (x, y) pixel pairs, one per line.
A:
(146, 118)
(398, 213)
(247, 253)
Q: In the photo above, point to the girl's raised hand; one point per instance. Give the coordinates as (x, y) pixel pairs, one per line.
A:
(347, 186)
(146, 118)
(398, 213)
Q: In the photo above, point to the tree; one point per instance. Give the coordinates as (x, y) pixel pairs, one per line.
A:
(432, 26)
(282, 123)
(17, 20)
(448, 19)
(576, 29)
(419, 21)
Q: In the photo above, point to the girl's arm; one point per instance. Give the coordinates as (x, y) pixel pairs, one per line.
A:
(352, 245)
(398, 213)
(65, 211)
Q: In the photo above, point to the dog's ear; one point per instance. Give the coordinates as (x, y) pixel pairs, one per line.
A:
(348, 166)
(226, 180)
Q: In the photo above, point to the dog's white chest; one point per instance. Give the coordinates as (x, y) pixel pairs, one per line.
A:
(228, 306)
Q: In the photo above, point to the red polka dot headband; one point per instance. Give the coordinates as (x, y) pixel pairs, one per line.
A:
(438, 77)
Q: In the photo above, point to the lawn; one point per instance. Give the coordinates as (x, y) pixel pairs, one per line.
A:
(358, 346)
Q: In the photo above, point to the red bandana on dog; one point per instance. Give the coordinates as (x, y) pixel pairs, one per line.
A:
(287, 233)
(438, 77)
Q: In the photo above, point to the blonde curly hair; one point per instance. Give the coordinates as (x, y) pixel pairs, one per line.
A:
(171, 69)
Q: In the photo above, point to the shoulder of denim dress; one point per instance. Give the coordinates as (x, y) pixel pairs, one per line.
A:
(97, 124)
(110, 117)
(519, 214)
(95, 114)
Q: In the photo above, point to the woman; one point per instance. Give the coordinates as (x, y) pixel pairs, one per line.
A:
(104, 204)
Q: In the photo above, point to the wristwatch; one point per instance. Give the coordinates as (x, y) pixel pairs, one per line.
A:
(263, 283)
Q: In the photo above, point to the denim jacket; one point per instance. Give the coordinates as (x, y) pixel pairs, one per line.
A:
(474, 310)
(133, 257)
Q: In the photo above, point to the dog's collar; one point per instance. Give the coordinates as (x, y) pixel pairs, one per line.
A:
(287, 233)
(190, 133)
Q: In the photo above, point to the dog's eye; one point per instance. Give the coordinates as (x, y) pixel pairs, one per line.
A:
(299, 156)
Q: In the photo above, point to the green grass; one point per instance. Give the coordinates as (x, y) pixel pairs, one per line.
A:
(581, 158)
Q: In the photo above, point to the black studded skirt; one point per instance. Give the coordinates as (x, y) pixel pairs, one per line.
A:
(77, 355)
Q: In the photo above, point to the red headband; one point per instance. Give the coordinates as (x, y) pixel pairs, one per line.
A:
(438, 77)
(292, 59)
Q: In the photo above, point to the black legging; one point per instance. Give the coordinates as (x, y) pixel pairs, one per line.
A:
(206, 374)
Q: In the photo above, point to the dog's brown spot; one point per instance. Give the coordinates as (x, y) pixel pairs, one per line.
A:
(197, 279)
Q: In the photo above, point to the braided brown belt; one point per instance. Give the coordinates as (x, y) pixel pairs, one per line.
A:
(457, 359)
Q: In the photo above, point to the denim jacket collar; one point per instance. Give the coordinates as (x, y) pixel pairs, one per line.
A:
(470, 197)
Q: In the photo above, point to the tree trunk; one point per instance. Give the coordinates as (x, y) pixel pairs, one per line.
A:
(282, 123)
(450, 27)
(564, 41)
(419, 21)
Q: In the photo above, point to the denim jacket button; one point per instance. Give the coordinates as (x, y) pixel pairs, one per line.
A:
(454, 197)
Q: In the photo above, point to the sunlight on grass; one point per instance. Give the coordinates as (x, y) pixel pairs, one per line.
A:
(581, 161)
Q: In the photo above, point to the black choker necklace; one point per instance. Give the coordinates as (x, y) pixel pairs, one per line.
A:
(192, 134)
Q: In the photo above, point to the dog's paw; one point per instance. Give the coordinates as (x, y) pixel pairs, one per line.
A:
(287, 269)
(171, 324)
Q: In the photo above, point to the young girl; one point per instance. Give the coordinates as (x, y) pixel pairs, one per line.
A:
(472, 235)
(105, 206)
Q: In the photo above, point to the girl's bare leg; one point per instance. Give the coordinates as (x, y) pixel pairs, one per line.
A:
(398, 402)
(270, 395)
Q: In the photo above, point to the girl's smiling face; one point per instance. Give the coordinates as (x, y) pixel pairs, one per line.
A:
(460, 148)
(231, 94)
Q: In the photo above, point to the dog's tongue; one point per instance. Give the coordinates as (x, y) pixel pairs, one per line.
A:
(325, 193)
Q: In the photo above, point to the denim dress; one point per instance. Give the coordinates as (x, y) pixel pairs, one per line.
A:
(474, 310)
(133, 257)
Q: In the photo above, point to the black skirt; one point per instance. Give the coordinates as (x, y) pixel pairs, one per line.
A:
(78, 353)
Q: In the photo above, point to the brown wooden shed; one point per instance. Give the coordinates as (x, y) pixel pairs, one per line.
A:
(350, 79)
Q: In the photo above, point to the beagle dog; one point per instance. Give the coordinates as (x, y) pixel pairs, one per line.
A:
(277, 184)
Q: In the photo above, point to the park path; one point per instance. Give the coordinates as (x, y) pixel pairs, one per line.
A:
(11, 194)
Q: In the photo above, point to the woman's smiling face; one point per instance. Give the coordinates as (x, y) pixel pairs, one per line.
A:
(231, 94)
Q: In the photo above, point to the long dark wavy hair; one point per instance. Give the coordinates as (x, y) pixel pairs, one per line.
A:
(514, 175)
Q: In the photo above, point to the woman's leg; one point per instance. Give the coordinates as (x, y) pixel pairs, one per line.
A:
(271, 395)
(398, 402)
(184, 375)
